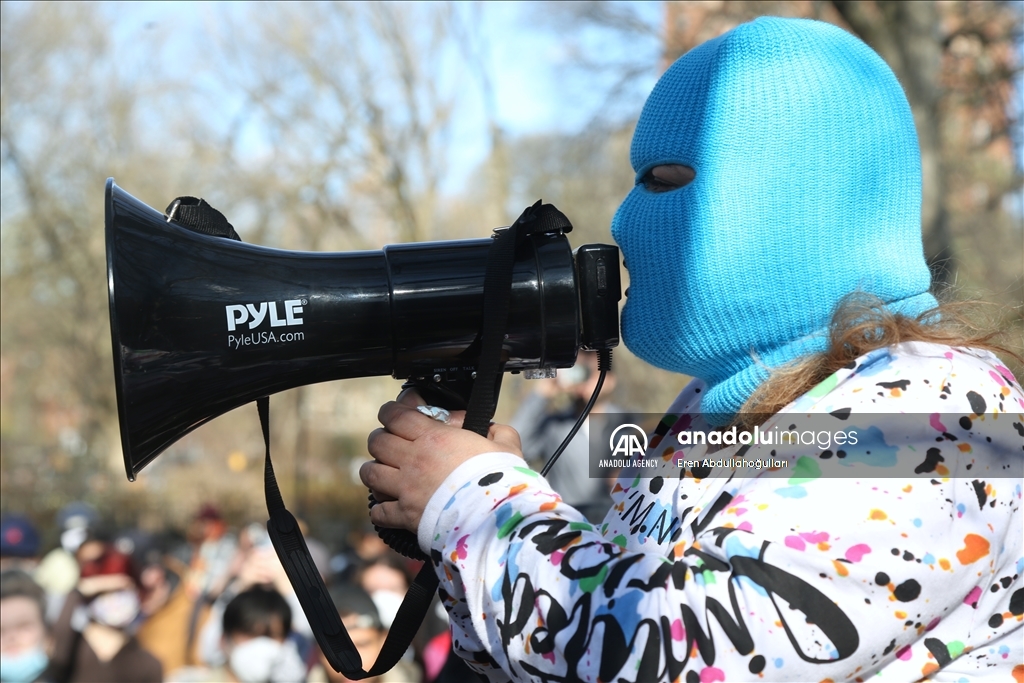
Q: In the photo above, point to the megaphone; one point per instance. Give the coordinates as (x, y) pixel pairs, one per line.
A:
(201, 325)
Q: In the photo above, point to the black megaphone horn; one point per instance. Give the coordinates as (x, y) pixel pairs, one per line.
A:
(201, 325)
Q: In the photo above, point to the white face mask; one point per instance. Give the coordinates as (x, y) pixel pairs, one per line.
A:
(264, 660)
(387, 603)
(72, 539)
(116, 609)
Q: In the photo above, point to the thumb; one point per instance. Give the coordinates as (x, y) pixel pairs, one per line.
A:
(506, 438)
(410, 397)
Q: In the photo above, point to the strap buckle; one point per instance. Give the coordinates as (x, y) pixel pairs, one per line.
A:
(172, 209)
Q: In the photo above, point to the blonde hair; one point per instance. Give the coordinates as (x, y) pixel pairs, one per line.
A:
(861, 324)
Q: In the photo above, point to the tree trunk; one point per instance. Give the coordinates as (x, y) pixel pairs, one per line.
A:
(908, 36)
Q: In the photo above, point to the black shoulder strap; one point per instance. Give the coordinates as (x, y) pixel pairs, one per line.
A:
(316, 602)
(483, 400)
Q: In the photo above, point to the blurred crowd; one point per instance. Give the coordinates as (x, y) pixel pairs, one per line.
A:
(212, 603)
(209, 605)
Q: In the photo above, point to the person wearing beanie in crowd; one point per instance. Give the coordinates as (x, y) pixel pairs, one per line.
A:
(773, 242)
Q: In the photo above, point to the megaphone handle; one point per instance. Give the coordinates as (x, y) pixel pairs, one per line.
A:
(450, 395)
(478, 396)
(401, 541)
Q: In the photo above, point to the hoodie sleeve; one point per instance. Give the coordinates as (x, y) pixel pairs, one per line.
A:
(810, 578)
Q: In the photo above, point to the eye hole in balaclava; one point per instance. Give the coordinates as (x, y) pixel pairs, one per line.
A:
(808, 189)
(667, 178)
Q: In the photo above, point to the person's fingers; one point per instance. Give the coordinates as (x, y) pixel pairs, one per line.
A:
(390, 515)
(386, 447)
(413, 454)
(506, 437)
(404, 421)
(383, 481)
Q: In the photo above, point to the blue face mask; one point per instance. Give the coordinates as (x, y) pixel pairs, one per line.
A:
(807, 189)
(23, 668)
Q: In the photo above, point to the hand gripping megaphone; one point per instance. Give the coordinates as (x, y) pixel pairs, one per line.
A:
(201, 324)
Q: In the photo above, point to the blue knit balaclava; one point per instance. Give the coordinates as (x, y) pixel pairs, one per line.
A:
(807, 189)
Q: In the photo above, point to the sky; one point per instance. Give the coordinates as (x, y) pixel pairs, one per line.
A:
(523, 46)
(536, 88)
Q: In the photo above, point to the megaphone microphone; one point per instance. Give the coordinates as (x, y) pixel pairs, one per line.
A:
(201, 325)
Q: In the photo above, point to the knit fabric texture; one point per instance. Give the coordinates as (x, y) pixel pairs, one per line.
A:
(807, 189)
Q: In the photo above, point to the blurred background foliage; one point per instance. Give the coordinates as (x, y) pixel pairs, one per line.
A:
(329, 126)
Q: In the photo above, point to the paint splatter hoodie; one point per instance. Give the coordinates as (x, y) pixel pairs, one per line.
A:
(756, 577)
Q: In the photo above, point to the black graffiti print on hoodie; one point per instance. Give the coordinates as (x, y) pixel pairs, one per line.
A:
(651, 638)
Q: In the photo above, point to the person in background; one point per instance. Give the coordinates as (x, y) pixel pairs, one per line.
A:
(361, 619)
(164, 605)
(386, 581)
(58, 570)
(93, 637)
(213, 548)
(255, 627)
(255, 565)
(157, 581)
(208, 553)
(367, 544)
(543, 421)
(24, 639)
(75, 522)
